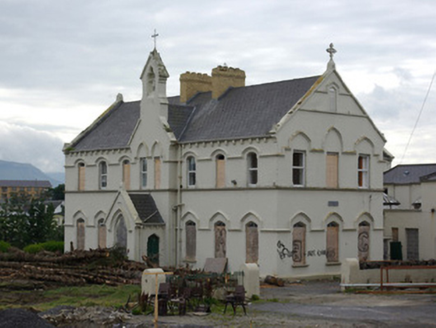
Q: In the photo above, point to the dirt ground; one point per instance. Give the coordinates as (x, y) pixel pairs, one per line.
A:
(306, 304)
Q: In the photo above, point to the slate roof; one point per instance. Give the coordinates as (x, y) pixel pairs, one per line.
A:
(242, 112)
(147, 209)
(25, 183)
(409, 173)
(113, 130)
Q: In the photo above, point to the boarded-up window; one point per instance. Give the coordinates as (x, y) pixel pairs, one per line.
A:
(191, 240)
(394, 234)
(363, 241)
(299, 244)
(363, 171)
(252, 169)
(220, 239)
(103, 175)
(332, 170)
(412, 239)
(81, 234)
(251, 242)
(101, 234)
(220, 171)
(126, 174)
(332, 251)
(156, 173)
(121, 233)
(81, 176)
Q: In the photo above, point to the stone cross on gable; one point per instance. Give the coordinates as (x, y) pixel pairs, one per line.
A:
(154, 36)
(331, 50)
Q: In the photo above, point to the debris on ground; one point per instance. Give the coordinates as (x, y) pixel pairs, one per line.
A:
(271, 280)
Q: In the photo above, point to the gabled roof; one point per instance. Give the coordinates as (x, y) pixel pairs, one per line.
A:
(408, 173)
(242, 112)
(146, 209)
(25, 183)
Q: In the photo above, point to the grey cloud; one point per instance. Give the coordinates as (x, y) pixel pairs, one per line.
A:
(26, 145)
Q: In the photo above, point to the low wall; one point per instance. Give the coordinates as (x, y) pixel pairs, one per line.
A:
(352, 274)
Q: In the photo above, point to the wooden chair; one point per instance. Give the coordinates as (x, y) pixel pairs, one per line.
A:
(237, 298)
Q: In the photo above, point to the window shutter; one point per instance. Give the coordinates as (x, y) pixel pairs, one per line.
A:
(157, 173)
(220, 173)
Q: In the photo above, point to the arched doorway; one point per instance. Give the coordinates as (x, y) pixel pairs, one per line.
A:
(153, 249)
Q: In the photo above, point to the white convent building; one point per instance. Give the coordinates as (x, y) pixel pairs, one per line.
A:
(288, 174)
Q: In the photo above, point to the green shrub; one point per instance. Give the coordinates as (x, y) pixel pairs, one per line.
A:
(33, 249)
(53, 246)
(255, 297)
(4, 246)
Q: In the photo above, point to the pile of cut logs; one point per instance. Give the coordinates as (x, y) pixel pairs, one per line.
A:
(99, 266)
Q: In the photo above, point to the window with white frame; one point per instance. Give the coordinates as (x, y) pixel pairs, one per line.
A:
(298, 168)
(192, 171)
(363, 171)
(103, 175)
(252, 169)
(143, 172)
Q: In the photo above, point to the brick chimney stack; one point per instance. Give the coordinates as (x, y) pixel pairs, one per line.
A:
(222, 78)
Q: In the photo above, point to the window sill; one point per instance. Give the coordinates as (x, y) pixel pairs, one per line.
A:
(300, 265)
(333, 263)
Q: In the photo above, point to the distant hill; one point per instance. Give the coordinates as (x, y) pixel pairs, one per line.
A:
(24, 171)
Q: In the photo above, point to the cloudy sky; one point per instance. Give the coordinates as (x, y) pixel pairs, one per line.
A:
(62, 62)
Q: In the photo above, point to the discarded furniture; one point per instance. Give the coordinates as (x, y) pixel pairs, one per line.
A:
(235, 299)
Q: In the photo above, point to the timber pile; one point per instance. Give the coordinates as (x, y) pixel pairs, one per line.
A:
(378, 264)
(99, 266)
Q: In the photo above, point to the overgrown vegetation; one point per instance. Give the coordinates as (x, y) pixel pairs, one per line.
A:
(50, 246)
(4, 246)
(25, 221)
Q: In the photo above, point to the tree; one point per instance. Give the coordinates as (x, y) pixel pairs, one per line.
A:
(25, 221)
(57, 193)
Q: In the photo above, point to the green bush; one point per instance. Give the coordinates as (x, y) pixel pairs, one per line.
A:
(4, 246)
(53, 246)
(33, 249)
(50, 246)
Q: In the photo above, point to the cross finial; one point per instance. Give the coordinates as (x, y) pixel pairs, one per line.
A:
(154, 36)
(331, 51)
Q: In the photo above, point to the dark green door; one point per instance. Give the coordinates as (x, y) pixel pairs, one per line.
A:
(153, 249)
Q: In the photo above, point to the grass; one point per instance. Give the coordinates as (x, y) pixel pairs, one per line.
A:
(93, 295)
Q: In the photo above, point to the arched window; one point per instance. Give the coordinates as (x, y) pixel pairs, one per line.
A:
(192, 171)
(191, 240)
(121, 233)
(363, 241)
(220, 240)
(126, 174)
(101, 234)
(81, 177)
(143, 173)
(81, 234)
(103, 174)
(252, 169)
(251, 243)
(299, 243)
(332, 251)
(333, 94)
(220, 171)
